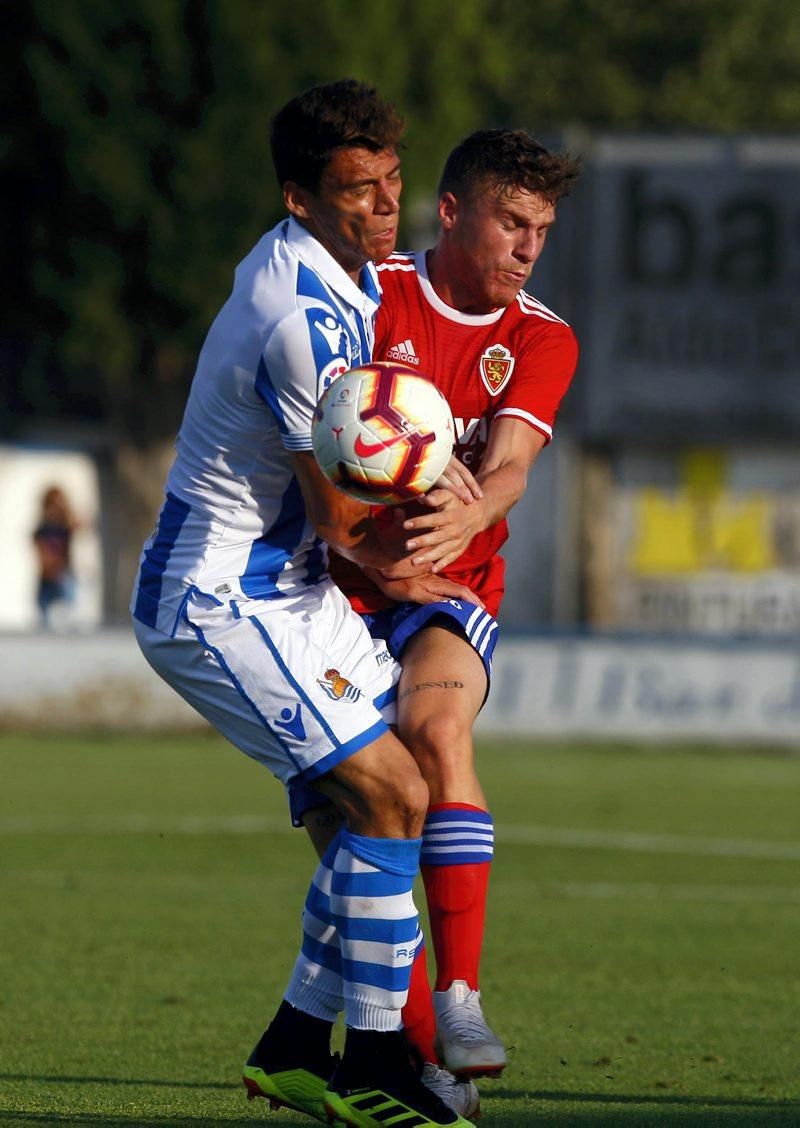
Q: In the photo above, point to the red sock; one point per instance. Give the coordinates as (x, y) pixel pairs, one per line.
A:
(457, 910)
(457, 850)
(419, 1023)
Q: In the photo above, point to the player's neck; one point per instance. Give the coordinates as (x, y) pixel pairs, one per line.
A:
(444, 276)
(352, 264)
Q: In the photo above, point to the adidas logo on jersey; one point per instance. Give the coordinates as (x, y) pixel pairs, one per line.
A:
(404, 351)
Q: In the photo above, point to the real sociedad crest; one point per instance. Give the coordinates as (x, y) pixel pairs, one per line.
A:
(496, 366)
(338, 687)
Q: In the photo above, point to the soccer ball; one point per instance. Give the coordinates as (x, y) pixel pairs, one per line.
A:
(383, 433)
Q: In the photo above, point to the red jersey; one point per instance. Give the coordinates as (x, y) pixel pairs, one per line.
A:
(515, 362)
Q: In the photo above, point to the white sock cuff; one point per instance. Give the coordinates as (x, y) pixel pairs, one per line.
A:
(315, 990)
(363, 1013)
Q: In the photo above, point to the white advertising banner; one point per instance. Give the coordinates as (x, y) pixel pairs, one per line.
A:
(541, 689)
(630, 689)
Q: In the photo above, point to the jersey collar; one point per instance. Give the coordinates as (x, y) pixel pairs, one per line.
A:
(322, 262)
(441, 307)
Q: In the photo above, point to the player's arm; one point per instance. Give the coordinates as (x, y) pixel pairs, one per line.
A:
(518, 433)
(345, 524)
(511, 451)
(301, 355)
(439, 537)
(303, 352)
(342, 521)
(429, 588)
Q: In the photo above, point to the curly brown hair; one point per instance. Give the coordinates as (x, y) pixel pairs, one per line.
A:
(307, 130)
(509, 160)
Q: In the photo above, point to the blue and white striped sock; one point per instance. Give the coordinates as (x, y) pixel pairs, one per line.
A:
(373, 908)
(316, 983)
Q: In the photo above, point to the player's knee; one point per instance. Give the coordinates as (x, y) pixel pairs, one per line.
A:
(396, 804)
(418, 800)
(409, 797)
(439, 739)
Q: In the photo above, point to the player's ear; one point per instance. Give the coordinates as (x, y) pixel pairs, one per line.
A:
(296, 200)
(448, 206)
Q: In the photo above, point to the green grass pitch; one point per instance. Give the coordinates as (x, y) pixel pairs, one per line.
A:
(642, 955)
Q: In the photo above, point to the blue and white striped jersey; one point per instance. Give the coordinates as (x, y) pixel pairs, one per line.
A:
(233, 524)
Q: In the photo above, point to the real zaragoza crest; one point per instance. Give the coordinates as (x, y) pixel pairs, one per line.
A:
(496, 366)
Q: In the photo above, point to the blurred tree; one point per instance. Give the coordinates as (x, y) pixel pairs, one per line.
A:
(138, 174)
(682, 64)
(137, 170)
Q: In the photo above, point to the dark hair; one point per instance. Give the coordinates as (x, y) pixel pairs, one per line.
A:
(338, 114)
(511, 160)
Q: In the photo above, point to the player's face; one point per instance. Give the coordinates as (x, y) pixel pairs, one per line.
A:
(493, 238)
(354, 212)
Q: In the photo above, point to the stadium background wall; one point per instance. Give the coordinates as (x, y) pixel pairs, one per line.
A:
(603, 689)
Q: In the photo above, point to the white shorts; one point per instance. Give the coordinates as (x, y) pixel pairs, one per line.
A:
(296, 683)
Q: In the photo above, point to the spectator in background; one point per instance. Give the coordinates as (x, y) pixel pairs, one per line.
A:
(52, 540)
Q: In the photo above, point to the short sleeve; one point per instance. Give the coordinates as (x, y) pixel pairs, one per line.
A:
(541, 377)
(304, 353)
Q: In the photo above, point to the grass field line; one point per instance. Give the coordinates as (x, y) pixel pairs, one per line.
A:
(93, 880)
(639, 843)
(651, 891)
(568, 837)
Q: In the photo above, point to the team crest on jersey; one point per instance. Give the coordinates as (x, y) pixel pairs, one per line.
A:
(338, 688)
(337, 367)
(496, 366)
(333, 351)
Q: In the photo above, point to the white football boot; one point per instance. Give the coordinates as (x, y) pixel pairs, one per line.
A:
(461, 1096)
(464, 1041)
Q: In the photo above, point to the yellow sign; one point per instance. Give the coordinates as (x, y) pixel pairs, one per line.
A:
(702, 525)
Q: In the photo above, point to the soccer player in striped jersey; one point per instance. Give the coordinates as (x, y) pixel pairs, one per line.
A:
(233, 606)
(458, 313)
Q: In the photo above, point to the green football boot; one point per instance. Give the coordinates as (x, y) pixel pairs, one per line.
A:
(292, 1063)
(382, 1108)
(299, 1089)
(376, 1086)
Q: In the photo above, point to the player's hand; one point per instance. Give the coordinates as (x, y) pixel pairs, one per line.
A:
(441, 536)
(457, 480)
(423, 589)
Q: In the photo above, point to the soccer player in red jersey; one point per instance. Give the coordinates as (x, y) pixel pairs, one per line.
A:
(459, 314)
